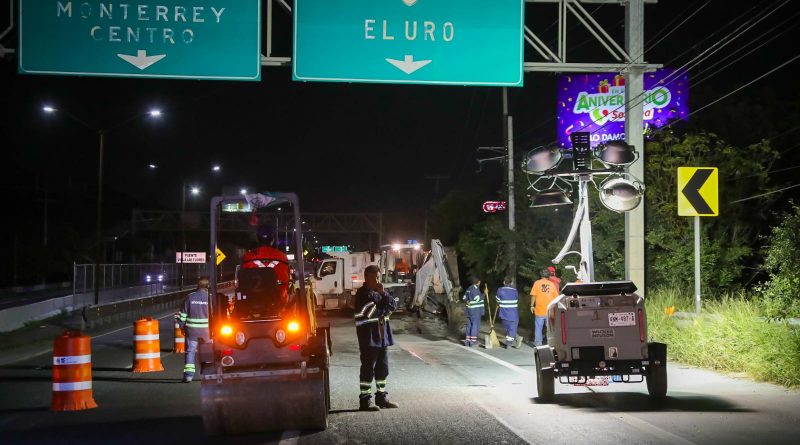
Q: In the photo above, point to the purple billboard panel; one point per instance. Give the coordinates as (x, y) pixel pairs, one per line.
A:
(596, 103)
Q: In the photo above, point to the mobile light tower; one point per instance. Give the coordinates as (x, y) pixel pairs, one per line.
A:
(619, 191)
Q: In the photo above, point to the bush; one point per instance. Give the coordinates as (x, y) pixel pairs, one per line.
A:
(781, 294)
(731, 335)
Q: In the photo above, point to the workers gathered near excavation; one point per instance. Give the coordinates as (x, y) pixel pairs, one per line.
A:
(473, 297)
(543, 292)
(507, 300)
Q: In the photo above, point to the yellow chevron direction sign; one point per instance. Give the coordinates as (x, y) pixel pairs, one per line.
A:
(220, 256)
(698, 191)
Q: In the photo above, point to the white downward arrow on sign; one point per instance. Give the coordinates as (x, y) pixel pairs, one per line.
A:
(408, 65)
(141, 60)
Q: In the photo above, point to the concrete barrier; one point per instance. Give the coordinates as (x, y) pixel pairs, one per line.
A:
(16, 317)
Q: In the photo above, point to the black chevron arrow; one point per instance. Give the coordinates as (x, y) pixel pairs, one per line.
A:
(692, 191)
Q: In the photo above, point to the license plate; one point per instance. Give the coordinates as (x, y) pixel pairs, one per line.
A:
(622, 319)
(602, 333)
(602, 380)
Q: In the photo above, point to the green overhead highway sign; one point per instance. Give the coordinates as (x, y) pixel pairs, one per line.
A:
(179, 39)
(444, 42)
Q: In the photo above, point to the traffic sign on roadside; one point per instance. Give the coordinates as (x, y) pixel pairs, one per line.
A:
(190, 257)
(220, 256)
(194, 39)
(444, 42)
(698, 191)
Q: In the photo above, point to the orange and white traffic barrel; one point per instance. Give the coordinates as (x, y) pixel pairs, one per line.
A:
(146, 346)
(72, 372)
(180, 339)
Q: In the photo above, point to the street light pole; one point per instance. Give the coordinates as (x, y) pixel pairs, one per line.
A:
(49, 109)
(99, 235)
(183, 228)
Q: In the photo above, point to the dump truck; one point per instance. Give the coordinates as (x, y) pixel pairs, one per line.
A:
(337, 278)
(266, 367)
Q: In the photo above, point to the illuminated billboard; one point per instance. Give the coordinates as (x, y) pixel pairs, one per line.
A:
(596, 103)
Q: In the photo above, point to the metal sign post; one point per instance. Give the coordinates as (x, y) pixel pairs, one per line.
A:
(698, 195)
(697, 303)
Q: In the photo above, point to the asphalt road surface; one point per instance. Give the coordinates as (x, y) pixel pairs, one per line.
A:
(448, 394)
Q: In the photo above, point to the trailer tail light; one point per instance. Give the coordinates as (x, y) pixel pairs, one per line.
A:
(226, 331)
(641, 326)
(563, 327)
(293, 326)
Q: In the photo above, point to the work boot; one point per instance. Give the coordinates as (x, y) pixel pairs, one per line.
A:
(366, 404)
(518, 342)
(383, 402)
(188, 378)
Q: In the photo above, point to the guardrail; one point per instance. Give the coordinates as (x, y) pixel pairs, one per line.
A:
(129, 310)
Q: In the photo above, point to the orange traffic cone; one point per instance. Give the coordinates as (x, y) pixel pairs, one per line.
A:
(180, 339)
(72, 372)
(146, 346)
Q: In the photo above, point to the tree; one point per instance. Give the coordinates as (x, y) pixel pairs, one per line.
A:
(781, 294)
(730, 240)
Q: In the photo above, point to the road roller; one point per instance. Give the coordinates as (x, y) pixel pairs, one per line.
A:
(266, 366)
(597, 335)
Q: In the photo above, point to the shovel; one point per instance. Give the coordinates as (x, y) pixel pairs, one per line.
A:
(490, 341)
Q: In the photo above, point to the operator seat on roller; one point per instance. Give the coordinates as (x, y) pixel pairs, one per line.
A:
(261, 296)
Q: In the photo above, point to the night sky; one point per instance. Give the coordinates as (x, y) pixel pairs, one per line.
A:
(342, 147)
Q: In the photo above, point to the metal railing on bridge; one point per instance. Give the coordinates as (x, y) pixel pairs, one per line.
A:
(119, 282)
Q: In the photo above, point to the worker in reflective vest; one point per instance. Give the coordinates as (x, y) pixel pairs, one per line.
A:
(507, 299)
(373, 306)
(193, 320)
(473, 298)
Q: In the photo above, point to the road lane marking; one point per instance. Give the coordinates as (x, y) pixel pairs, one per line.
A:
(633, 421)
(289, 437)
(508, 426)
(50, 350)
(128, 327)
(500, 362)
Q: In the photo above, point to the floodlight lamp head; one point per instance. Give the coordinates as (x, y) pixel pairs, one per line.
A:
(541, 159)
(621, 194)
(550, 198)
(617, 154)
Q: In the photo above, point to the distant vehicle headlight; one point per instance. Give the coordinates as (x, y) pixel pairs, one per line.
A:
(160, 278)
(148, 278)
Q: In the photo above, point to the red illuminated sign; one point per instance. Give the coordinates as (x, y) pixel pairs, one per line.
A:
(494, 206)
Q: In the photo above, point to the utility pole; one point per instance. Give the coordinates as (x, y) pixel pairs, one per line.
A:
(508, 136)
(436, 179)
(634, 116)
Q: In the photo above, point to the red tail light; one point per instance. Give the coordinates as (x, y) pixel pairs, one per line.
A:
(563, 327)
(294, 347)
(641, 327)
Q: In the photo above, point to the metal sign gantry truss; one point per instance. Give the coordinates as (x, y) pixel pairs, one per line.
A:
(554, 59)
(170, 221)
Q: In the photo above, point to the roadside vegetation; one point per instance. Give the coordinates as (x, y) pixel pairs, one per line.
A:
(732, 335)
(750, 262)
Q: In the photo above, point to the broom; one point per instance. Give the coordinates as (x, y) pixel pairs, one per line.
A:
(490, 341)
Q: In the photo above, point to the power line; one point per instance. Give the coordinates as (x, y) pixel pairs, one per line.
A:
(745, 85)
(680, 24)
(765, 194)
(695, 83)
